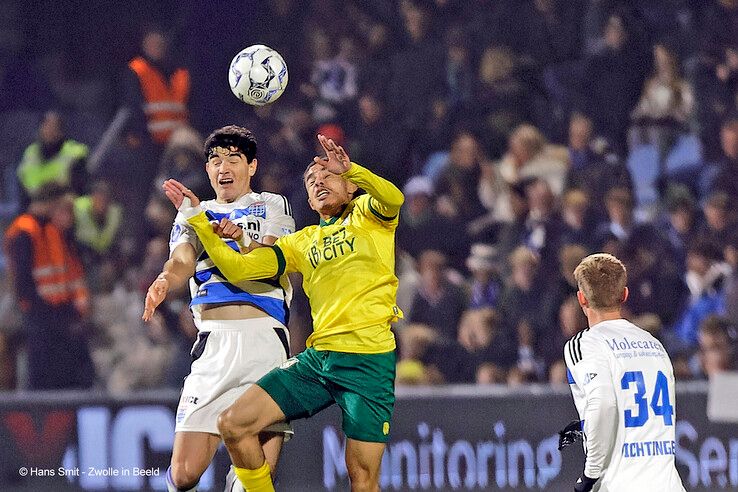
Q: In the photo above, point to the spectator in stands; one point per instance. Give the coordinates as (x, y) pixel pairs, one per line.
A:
(458, 180)
(723, 176)
(484, 265)
(501, 98)
(594, 167)
(682, 222)
(438, 303)
(97, 222)
(553, 34)
(730, 289)
(334, 76)
(182, 160)
(715, 78)
(530, 156)
(53, 158)
(51, 293)
(706, 275)
(656, 281)
(156, 91)
(718, 343)
(459, 69)
(422, 228)
(379, 142)
(571, 321)
(521, 310)
(612, 80)
(427, 357)
(417, 69)
(577, 219)
(491, 352)
(543, 226)
(720, 218)
(665, 106)
(621, 223)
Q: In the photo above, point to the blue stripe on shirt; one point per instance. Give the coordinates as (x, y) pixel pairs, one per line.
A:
(569, 377)
(222, 292)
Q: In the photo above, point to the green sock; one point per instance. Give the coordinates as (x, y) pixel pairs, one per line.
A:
(259, 480)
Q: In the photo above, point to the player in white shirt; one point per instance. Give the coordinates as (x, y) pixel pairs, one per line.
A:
(242, 328)
(623, 387)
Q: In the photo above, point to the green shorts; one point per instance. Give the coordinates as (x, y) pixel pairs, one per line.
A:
(363, 385)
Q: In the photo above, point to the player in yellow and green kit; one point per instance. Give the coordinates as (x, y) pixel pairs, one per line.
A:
(347, 263)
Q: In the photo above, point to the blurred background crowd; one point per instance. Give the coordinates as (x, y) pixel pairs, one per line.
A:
(525, 135)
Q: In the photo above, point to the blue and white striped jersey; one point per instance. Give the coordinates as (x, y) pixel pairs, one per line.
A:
(259, 215)
(623, 386)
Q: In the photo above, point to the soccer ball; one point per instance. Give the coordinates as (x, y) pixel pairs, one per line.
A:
(258, 75)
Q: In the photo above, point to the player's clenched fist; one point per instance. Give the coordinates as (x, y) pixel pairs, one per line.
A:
(227, 229)
(156, 294)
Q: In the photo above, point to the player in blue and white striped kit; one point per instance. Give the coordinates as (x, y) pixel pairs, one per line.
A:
(623, 386)
(242, 327)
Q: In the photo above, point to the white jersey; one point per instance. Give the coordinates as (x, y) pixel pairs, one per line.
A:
(259, 215)
(623, 387)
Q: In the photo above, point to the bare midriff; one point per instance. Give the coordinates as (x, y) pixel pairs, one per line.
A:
(231, 312)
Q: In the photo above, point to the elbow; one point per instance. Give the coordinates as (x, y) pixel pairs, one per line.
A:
(400, 198)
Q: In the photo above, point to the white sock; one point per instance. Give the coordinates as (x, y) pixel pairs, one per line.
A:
(232, 483)
(173, 488)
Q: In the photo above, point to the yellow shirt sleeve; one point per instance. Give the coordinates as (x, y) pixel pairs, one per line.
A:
(260, 263)
(386, 198)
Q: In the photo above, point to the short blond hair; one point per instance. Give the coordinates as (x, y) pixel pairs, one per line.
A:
(601, 277)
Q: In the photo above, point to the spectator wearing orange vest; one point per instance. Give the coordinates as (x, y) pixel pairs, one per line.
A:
(51, 292)
(158, 91)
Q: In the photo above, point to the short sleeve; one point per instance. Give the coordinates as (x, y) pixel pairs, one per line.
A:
(182, 233)
(279, 221)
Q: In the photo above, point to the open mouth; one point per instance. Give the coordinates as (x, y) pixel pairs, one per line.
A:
(322, 194)
(225, 181)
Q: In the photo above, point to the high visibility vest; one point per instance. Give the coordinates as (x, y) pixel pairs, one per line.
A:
(97, 237)
(57, 273)
(35, 171)
(165, 101)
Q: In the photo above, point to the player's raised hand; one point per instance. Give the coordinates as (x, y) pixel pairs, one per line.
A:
(156, 294)
(338, 161)
(227, 229)
(177, 192)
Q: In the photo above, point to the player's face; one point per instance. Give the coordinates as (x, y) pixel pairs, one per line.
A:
(327, 192)
(230, 173)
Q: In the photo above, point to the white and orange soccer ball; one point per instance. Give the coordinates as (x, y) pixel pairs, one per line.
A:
(258, 75)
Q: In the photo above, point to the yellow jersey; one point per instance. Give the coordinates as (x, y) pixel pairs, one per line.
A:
(347, 263)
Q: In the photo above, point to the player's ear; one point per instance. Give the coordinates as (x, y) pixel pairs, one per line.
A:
(583, 302)
(351, 187)
(252, 166)
(625, 295)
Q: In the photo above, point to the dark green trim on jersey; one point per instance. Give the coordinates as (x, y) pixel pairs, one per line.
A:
(377, 214)
(328, 222)
(281, 262)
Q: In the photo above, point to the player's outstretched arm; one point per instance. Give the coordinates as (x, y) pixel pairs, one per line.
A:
(178, 268)
(259, 263)
(387, 198)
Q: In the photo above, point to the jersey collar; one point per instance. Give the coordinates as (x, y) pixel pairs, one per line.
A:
(335, 218)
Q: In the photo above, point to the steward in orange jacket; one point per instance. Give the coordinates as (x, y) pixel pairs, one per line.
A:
(51, 292)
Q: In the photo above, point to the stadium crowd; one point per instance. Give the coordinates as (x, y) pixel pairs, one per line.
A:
(525, 134)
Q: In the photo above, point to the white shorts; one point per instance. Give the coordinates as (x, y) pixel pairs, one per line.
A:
(227, 358)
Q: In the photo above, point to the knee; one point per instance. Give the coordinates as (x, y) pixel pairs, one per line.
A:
(233, 426)
(363, 479)
(183, 475)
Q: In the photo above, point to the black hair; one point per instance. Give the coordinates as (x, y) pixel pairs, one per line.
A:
(232, 136)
